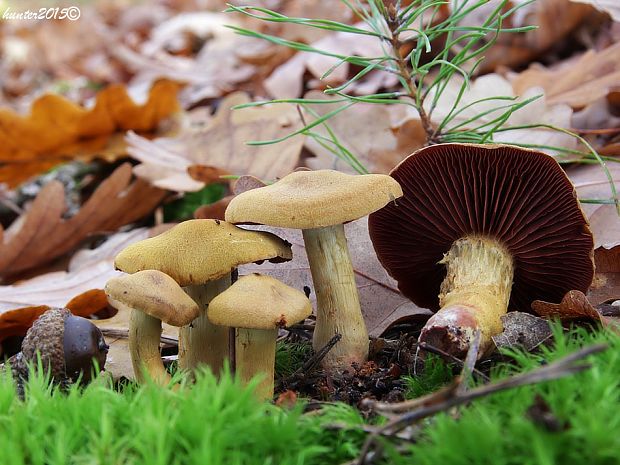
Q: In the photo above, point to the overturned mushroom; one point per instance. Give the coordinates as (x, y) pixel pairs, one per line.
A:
(200, 255)
(257, 306)
(319, 203)
(152, 297)
(481, 228)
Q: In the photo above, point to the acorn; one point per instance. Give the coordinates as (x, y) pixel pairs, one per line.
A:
(68, 346)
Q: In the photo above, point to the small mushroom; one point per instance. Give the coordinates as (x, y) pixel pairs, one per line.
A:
(67, 344)
(319, 203)
(258, 306)
(152, 297)
(481, 228)
(200, 255)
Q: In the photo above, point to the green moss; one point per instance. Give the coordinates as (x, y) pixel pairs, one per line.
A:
(499, 429)
(436, 373)
(183, 208)
(221, 423)
(291, 356)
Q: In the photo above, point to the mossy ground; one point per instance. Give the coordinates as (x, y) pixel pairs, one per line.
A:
(221, 423)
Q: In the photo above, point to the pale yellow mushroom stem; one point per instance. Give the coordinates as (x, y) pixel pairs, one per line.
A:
(338, 305)
(144, 335)
(201, 342)
(255, 352)
(474, 295)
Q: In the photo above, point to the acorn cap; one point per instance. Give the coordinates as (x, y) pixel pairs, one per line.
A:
(199, 251)
(313, 199)
(67, 344)
(154, 293)
(520, 197)
(259, 302)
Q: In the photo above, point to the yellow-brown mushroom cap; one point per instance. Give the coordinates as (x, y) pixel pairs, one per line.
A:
(259, 302)
(198, 251)
(314, 199)
(154, 293)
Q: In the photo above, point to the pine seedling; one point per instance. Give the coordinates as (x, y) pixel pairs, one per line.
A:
(426, 46)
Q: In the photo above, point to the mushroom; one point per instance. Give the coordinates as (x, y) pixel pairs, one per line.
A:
(152, 297)
(481, 228)
(319, 203)
(257, 306)
(200, 255)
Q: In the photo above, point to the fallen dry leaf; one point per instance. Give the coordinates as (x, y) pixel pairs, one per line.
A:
(592, 183)
(57, 129)
(212, 72)
(366, 131)
(554, 20)
(222, 145)
(577, 82)
(41, 234)
(522, 330)
(574, 305)
(381, 302)
(611, 7)
(287, 80)
(489, 88)
(215, 210)
(606, 284)
(79, 288)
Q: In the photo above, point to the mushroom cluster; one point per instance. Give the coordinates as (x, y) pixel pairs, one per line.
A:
(476, 230)
(184, 277)
(173, 277)
(481, 228)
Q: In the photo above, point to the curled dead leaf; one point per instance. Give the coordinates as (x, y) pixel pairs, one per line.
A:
(574, 305)
(57, 129)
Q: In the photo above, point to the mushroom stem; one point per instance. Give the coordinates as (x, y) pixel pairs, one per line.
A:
(144, 334)
(256, 353)
(473, 296)
(201, 342)
(338, 306)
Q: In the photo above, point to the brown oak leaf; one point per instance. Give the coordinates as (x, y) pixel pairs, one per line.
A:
(41, 234)
(57, 129)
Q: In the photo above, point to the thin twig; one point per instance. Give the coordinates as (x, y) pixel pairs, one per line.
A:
(470, 363)
(316, 359)
(451, 398)
(124, 334)
(310, 364)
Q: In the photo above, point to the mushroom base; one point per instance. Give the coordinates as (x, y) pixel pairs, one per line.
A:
(255, 352)
(144, 335)
(473, 297)
(201, 342)
(338, 305)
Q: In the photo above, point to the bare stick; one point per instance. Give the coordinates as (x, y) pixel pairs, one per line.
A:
(558, 369)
